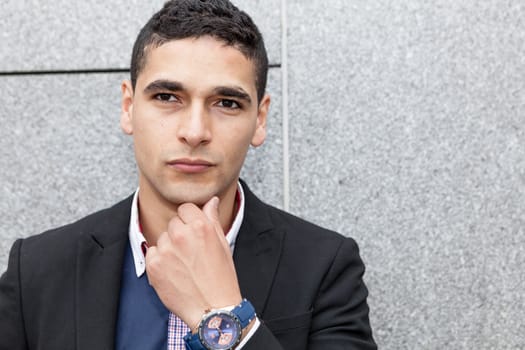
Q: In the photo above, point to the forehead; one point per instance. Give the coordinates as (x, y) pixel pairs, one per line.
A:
(203, 61)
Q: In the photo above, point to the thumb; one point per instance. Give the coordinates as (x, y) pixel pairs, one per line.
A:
(211, 210)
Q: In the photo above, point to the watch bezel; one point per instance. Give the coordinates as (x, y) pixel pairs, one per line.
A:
(221, 313)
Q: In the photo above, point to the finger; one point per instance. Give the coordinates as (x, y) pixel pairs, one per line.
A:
(189, 212)
(211, 210)
(151, 253)
(151, 256)
(175, 225)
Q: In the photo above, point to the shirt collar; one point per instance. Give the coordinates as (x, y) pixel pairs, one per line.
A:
(137, 240)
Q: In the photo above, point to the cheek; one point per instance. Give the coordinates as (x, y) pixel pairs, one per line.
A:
(149, 128)
(241, 132)
(235, 148)
(148, 140)
(238, 139)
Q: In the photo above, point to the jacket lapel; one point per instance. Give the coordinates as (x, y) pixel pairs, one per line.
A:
(257, 252)
(99, 266)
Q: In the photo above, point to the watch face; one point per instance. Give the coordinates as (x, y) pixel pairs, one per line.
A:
(220, 330)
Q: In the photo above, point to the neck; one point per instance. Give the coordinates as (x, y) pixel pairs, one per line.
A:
(155, 212)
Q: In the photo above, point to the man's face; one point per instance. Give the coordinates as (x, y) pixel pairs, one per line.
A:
(193, 114)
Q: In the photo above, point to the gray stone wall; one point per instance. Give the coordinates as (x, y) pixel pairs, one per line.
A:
(399, 123)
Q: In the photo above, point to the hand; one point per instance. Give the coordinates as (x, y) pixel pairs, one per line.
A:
(191, 267)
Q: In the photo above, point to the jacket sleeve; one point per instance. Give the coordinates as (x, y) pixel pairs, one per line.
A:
(339, 316)
(12, 334)
(263, 339)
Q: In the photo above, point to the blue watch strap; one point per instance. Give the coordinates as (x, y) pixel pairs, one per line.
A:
(245, 312)
(192, 342)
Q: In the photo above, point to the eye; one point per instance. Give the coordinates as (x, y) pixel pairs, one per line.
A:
(231, 104)
(165, 97)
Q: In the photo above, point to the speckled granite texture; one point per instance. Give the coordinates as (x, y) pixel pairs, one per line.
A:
(406, 132)
(74, 34)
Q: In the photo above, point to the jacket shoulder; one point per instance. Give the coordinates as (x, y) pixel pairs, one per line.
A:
(64, 238)
(300, 229)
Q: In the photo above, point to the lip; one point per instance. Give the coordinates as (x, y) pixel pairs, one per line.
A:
(190, 166)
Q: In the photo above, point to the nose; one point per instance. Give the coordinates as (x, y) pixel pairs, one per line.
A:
(194, 128)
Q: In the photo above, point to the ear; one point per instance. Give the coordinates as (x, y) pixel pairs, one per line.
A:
(260, 128)
(126, 108)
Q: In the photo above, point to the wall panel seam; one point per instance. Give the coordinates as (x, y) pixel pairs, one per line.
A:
(284, 93)
(81, 71)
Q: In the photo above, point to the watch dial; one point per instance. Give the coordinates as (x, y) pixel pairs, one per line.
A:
(220, 331)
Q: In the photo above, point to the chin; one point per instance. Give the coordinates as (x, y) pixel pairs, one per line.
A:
(198, 198)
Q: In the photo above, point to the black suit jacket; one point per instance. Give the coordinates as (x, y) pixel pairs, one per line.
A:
(61, 288)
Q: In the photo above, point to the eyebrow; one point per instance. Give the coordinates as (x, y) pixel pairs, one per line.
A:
(174, 86)
(237, 92)
(163, 85)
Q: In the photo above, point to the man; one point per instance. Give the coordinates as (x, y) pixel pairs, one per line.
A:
(156, 270)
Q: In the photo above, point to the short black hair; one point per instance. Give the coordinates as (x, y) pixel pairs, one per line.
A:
(180, 19)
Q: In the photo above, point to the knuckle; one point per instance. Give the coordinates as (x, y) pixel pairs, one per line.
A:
(162, 241)
(201, 228)
(199, 225)
(153, 265)
(175, 224)
(177, 236)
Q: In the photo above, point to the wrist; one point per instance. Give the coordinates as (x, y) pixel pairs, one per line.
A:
(222, 328)
(246, 330)
(194, 327)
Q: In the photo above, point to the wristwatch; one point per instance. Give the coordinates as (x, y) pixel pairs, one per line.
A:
(221, 329)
